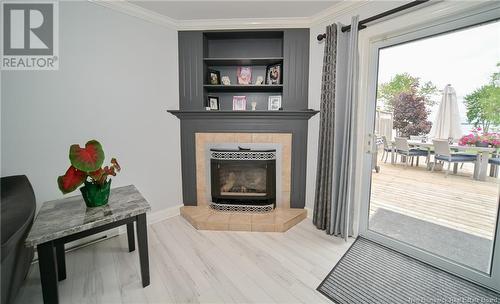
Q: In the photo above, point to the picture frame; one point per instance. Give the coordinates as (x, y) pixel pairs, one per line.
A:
(239, 103)
(274, 103)
(244, 75)
(213, 103)
(213, 77)
(273, 74)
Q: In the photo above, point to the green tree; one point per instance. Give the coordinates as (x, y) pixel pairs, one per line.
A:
(483, 105)
(405, 83)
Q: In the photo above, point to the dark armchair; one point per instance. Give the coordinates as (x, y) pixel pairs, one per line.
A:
(17, 213)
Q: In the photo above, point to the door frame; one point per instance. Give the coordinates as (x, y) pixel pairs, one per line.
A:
(439, 25)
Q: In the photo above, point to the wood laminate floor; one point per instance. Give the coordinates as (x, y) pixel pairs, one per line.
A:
(192, 266)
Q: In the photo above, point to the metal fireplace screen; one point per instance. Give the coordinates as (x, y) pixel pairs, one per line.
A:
(243, 179)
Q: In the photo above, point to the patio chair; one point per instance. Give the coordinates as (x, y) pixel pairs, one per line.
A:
(443, 153)
(387, 149)
(495, 163)
(403, 149)
(467, 152)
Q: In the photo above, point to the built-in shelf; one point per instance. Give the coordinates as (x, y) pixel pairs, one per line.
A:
(244, 88)
(300, 115)
(242, 61)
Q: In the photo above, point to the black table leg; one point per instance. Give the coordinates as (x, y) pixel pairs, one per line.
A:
(48, 274)
(142, 241)
(61, 262)
(130, 237)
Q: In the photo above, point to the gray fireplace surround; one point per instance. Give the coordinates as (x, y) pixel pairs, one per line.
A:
(224, 51)
(294, 122)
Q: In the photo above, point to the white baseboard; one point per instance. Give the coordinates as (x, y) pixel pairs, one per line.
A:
(160, 215)
(309, 212)
(157, 216)
(89, 240)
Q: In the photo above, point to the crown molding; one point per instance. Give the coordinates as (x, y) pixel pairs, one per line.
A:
(243, 23)
(137, 11)
(330, 13)
(337, 10)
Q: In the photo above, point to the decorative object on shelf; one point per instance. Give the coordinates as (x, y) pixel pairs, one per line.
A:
(239, 103)
(213, 103)
(260, 80)
(254, 105)
(213, 77)
(86, 169)
(226, 80)
(244, 75)
(479, 138)
(273, 74)
(274, 103)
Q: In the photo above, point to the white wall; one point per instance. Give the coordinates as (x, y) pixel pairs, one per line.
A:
(315, 69)
(118, 74)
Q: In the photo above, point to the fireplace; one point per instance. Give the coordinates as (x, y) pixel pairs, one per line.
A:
(242, 205)
(243, 180)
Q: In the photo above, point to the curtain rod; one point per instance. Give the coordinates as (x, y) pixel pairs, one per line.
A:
(361, 24)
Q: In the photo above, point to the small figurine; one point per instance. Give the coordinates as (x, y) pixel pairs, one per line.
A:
(225, 80)
(260, 80)
(254, 105)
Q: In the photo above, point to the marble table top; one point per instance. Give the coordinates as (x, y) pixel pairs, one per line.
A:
(63, 217)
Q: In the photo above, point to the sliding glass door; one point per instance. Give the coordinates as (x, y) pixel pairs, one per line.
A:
(435, 105)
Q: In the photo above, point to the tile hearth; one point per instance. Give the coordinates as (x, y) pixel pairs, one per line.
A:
(279, 220)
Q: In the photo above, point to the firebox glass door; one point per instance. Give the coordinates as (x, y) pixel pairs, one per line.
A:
(242, 179)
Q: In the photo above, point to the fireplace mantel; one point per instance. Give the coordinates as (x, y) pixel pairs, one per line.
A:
(281, 115)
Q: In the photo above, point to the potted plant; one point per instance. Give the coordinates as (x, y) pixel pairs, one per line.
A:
(480, 139)
(86, 169)
(494, 139)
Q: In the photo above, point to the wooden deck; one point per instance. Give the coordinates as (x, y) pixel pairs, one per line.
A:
(456, 201)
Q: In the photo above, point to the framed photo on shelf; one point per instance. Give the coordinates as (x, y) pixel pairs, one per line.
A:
(213, 103)
(213, 77)
(244, 75)
(273, 74)
(239, 103)
(274, 103)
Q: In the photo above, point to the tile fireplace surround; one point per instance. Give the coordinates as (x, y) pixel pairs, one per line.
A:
(279, 220)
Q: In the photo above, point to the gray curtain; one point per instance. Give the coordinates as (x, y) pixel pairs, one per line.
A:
(324, 174)
(333, 206)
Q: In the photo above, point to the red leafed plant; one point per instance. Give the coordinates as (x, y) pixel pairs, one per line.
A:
(86, 164)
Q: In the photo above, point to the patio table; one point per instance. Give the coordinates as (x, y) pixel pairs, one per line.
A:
(483, 153)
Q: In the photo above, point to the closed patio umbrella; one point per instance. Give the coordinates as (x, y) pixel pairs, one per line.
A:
(447, 121)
